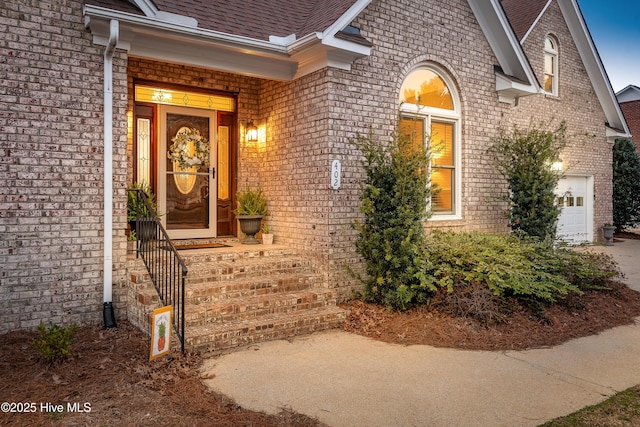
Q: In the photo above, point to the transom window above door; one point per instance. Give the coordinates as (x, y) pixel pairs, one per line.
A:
(430, 114)
(181, 98)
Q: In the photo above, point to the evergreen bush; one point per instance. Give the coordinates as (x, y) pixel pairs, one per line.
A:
(524, 159)
(394, 203)
(482, 272)
(626, 184)
(55, 342)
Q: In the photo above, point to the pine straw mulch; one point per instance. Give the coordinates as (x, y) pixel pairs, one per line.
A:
(520, 331)
(589, 314)
(110, 369)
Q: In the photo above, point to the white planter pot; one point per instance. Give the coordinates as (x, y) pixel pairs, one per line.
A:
(267, 239)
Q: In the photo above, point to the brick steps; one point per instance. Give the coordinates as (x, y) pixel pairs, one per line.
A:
(250, 307)
(222, 336)
(214, 271)
(237, 296)
(202, 292)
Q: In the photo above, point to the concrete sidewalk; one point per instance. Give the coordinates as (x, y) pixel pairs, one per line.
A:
(348, 380)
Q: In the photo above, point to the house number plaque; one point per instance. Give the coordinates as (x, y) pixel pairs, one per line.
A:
(336, 169)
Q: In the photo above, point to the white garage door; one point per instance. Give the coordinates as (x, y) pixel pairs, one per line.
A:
(576, 199)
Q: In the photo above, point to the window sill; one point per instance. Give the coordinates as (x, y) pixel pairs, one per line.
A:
(451, 217)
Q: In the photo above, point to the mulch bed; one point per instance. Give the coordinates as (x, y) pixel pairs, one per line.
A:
(110, 369)
(523, 330)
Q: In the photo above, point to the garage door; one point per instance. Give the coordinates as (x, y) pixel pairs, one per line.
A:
(576, 200)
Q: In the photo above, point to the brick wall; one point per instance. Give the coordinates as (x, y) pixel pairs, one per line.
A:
(295, 166)
(51, 166)
(404, 35)
(631, 111)
(51, 143)
(588, 152)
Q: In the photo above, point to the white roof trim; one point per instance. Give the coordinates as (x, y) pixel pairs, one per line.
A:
(510, 90)
(593, 64)
(149, 9)
(346, 18)
(613, 134)
(544, 9)
(507, 49)
(280, 58)
(628, 94)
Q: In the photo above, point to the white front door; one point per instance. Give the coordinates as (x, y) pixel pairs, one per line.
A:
(574, 195)
(187, 195)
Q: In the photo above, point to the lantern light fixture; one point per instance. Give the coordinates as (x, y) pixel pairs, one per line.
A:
(252, 131)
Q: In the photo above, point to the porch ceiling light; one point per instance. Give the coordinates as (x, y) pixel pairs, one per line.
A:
(252, 131)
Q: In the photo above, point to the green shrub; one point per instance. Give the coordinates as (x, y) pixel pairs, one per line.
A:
(626, 184)
(481, 272)
(136, 208)
(55, 343)
(251, 202)
(524, 159)
(504, 263)
(394, 203)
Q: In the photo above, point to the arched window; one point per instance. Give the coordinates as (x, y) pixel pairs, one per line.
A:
(551, 65)
(430, 113)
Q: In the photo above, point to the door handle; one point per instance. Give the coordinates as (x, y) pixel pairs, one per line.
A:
(213, 173)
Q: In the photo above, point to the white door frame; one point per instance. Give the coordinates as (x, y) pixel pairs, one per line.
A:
(589, 203)
(163, 146)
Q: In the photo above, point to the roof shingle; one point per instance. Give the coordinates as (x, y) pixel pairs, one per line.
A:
(522, 14)
(256, 19)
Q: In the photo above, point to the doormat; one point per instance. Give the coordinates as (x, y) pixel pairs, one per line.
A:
(201, 246)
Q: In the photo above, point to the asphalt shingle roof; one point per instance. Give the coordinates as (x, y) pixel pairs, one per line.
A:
(256, 19)
(522, 14)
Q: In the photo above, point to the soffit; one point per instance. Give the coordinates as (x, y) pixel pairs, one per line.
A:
(272, 39)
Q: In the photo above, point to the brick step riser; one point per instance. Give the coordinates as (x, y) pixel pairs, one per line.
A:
(236, 255)
(232, 311)
(221, 273)
(224, 291)
(281, 329)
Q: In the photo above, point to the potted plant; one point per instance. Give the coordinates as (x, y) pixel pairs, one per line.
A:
(267, 237)
(137, 210)
(607, 231)
(252, 207)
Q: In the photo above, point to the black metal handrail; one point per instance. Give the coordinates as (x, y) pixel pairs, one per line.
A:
(166, 269)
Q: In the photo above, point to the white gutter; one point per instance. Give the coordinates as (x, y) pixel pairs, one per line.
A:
(149, 25)
(108, 159)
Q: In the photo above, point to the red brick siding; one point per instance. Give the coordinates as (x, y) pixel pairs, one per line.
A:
(631, 111)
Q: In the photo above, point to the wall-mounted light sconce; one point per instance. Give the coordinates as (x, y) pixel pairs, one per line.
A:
(557, 165)
(251, 131)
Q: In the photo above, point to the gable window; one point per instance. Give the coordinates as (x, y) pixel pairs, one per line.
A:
(550, 66)
(430, 113)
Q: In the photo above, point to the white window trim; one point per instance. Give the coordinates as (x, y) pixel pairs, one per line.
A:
(457, 176)
(453, 116)
(556, 55)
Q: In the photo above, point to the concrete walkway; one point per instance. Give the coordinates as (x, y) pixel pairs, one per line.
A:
(348, 380)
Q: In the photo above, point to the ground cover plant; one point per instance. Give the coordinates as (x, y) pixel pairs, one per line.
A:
(489, 276)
